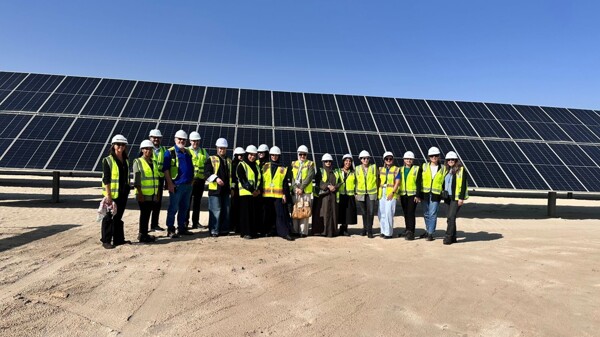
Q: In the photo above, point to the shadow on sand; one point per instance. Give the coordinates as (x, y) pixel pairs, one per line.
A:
(36, 234)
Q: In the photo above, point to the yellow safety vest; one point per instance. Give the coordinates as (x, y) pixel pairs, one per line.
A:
(349, 185)
(307, 165)
(459, 182)
(114, 177)
(273, 186)
(253, 180)
(198, 161)
(148, 176)
(387, 179)
(409, 187)
(158, 160)
(368, 184)
(434, 186)
(214, 160)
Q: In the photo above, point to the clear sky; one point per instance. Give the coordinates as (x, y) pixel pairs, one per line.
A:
(538, 52)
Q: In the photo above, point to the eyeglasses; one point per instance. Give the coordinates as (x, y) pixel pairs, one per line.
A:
(327, 161)
(388, 158)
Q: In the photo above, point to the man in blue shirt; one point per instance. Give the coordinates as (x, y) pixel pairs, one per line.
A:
(179, 174)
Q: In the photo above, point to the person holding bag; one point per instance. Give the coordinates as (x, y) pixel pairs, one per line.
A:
(302, 173)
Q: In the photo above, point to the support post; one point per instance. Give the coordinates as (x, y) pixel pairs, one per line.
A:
(55, 186)
(552, 204)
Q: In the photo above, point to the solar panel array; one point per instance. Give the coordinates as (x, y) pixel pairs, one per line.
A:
(55, 122)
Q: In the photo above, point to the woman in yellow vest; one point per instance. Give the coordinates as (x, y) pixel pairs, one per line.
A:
(234, 212)
(115, 188)
(346, 201)
(250, 187)
(388, 185)
(199, 156)
(328, 182)
(433, 179)
(275, 192)
(410, 191)
(145, 181)
(301, 174)
(455, 186)
(366, 191)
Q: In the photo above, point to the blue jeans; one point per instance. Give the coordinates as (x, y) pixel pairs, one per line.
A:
(218, 213)
(179, 203)
(430, 213)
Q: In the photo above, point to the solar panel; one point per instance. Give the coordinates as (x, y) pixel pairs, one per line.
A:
(54, 122)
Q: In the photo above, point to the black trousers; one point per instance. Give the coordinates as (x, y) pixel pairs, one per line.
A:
(453, 209)
(276, 210)
(158, 204)
(367, 208)
(146, 208)
(195, 200)
(270, 215)
(249, 214)
(409, 207)
(114, 230)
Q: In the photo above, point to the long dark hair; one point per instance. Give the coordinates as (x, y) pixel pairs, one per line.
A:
(114, 154)
(457, 165)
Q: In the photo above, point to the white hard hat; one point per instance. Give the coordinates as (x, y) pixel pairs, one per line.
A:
(364, 154)
(263, 148)
(119, 139)
(451, 155)
(155, 133)
(303, 149)
(347, 155)
(239, 150)
(251, 149)
(433, 151)
(408, 155)
(221, 142)
(274, 150)
(388, 154)
(146, 143)
(195, 136)
(326, 157)
(181, 134)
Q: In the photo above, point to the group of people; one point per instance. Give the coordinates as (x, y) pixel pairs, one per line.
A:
(254, 194)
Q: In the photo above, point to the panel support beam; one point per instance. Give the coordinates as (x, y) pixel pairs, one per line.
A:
(552, 204)
(55, 187)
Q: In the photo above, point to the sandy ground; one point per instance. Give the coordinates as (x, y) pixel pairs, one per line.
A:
(512, 273)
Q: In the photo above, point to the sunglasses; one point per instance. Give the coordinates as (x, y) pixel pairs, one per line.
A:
(365, 158)
(120, 145)
(450, 159)
(302, 154)
(328, 161)
(388, 158)
(434, 155)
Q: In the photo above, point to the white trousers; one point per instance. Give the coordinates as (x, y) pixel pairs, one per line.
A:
(386, 211)
(301, 226)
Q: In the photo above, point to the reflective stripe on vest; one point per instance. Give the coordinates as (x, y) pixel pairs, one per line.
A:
(459, 182)
(214, 160)
(198, 161)
(347, 186)
(252, 179)
(148, 177)
(307, 165)
(434, 186)
(409, 187)
(368, 184)
(114, 177)
(388, 179)
(273, 186)
(158, 160)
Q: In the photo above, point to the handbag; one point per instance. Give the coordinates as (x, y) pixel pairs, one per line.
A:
(444, 195)
(302, 209)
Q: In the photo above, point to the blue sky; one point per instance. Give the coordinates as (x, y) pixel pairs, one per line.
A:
(527, 52)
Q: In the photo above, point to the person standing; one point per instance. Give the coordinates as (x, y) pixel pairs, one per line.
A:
(455, 184)
(275, 191)
(329, 183)
(263, 155)
(179, 173)
(219, 171)
(410, 189)
(199, 156)
(115, 188)
(366, 191)
(433, 180)
(158, 157)
(302, 174)
(234, 211)
(145, 181)
(346, 201)
(388, 186)
(249, 184)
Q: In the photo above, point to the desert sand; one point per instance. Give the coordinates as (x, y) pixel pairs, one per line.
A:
(513, 272)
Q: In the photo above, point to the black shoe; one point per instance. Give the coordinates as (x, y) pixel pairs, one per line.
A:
(185, 232)
(126, 242)
(342, 233)
(370, 235)
(172, 234)
(107, 245)
(295, 235)
(424, 235)
(430, 237)
(223, 233)
(402, 234)
(409, 236)
(454, 239)
(146, 238)
(289, 238)
(381, 235)
(214, 235)
(447, 240)
(363, 233)
(196, 225)
(247, 237)
(387, 237)
(156, 228)
(303, 235)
